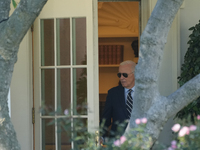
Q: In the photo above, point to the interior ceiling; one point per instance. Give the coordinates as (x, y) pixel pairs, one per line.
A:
(122, 16)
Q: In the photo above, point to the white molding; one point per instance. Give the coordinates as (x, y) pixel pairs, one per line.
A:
(145, 13)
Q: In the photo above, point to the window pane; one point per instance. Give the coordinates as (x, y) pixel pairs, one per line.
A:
(80, 91)
(64, 134)
(48, 134)
(63, 41)
(79, 41)
(80, 130)
(48, 90)
(47, 42)
(63, 90)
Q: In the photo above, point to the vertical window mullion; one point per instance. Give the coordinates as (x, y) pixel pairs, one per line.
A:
(71, 71)
(42, 43)
(55, 90)
(41, 62)
(74, 63)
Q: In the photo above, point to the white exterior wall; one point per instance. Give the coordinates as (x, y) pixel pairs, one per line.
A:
(189, 17)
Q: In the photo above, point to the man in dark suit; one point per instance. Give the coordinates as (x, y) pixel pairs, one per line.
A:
(115, 110)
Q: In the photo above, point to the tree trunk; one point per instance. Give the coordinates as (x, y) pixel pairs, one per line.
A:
(13, 29)
(147, 100)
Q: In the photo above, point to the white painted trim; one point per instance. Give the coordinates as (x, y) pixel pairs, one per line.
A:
(178, 46)
(92, 57)
(145, 13)
(95, 64)
(175, 50)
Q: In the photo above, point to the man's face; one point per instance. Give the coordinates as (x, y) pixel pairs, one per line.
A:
(128, 82)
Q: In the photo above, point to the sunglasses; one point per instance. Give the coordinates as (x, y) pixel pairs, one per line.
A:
(124, 74)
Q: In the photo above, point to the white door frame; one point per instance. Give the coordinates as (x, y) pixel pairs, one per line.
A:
(92, 55)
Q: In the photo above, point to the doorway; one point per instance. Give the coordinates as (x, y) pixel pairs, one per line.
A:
(118, 34)
(57, 76)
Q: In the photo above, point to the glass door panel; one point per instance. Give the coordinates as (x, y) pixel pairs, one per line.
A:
(63, 41)
(80, 91)
(47, 90)
(79, 43)
(79, 129)
(64, 138)
(63, 90)
(66, 74)
(63, 85)
(48, 135)
(47, 42)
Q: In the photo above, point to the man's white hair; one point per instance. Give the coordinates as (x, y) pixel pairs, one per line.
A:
(127, 62)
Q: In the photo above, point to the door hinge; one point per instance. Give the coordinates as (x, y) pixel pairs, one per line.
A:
(33, 115)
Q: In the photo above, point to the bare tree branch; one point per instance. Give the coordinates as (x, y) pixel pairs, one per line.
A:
(19, 22)
(4, 9)
(184, 95)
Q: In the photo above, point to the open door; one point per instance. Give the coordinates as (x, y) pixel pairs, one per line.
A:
(118, 33)
(120, 24)
(66, 70)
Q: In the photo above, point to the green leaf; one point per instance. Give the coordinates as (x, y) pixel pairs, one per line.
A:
(196, 68)
(198, 59)
(196, 50)
(196, 33)
(192, 28)
(14, 3)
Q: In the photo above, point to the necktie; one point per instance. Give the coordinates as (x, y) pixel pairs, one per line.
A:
(129, 103)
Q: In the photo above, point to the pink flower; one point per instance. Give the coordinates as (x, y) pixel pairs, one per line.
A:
(176, 127)
(173, 146)
(137, 121)
(117, 143)
(198, 117)
(122, 139)
(193, 128)
(185, 130)
(144, 120)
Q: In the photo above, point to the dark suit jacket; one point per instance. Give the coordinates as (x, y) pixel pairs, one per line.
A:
(115, 108)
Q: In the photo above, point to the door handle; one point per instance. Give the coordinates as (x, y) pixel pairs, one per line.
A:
(97, 138)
